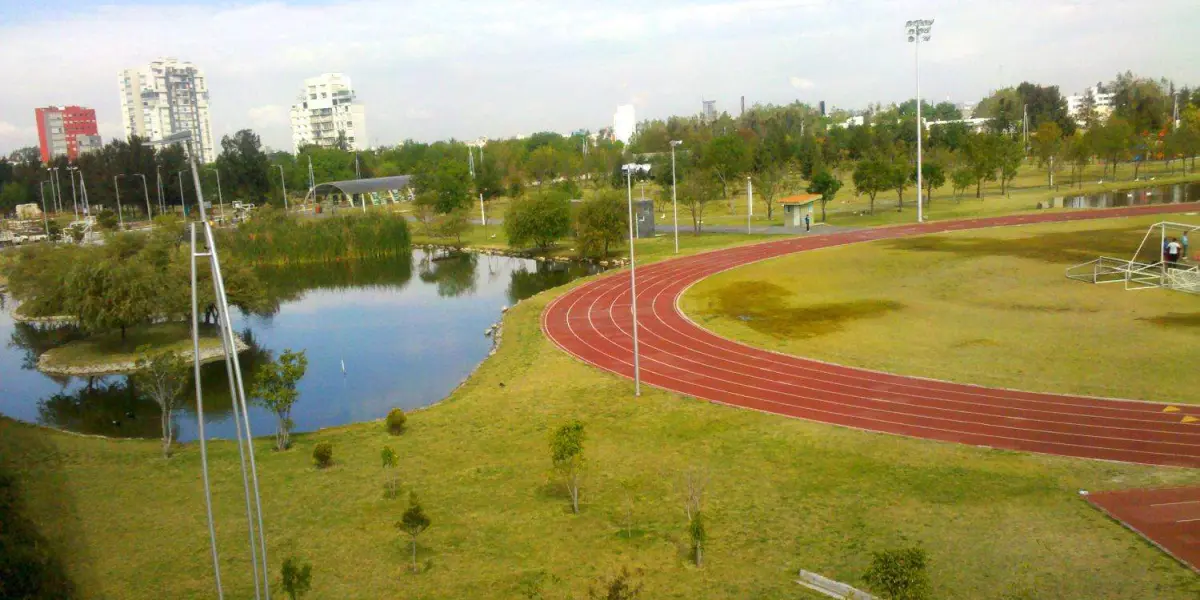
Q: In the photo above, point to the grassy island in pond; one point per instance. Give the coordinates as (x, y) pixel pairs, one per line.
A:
(109, 353)
(989, 307)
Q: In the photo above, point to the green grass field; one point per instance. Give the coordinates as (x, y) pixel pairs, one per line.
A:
(991, 307)
(783, 495)
(1028, 189)
(108, 348)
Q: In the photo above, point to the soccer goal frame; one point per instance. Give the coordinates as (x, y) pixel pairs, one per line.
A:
(1141, 272)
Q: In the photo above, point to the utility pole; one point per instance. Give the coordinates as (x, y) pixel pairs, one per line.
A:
(46, 219)
(749, 202)
(674, 203)
(220, 196)
(146, 192)
(637, 371)
(74, 198)
(482, 214)
(117, 190)
(283, 184)
(182, 198)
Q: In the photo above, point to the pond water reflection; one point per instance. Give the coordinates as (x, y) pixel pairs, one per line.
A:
(405, 340)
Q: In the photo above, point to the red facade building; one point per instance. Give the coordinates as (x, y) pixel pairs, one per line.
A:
(66, 131)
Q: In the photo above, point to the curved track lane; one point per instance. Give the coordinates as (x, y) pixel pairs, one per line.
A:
(593, 323)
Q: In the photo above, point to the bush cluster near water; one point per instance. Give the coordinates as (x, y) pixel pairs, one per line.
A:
(273, 238)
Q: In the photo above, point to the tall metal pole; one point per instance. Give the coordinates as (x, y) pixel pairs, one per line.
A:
(74, 198)
(212, 531)
(120, 213)
(158, 187)
(919, 30)
(146, 192)
(482, 214)
(312, 181)
(87, 207)
(45, 219)
(182, 198)
(283, 184)
(637, 368)
(920, 203)
(674, 203)
(220, 196)
(749, 203)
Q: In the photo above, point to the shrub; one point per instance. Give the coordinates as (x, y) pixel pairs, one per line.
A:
(108, 220)
(899, 574)
(539, 219)
(323, 454)
(395, 421)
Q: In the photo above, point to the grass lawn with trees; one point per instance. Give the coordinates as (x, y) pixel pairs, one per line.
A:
(109, 348)
(780, 495)
(991, 307)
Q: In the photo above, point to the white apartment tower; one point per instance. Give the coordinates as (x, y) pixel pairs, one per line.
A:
(165, 97)
(325, 111)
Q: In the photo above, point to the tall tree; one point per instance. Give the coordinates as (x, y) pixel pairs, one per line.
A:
(1047, 145)
(566, 454)
(696, 192)
(244, 167)
(162, 376)
(872, 176)
(825, 184)
(768, 184)
(540, 218)
(1010, 155)
(982, 154)
(602, 222)
(275, 387)
(448, 180)
(726, 156)
(414, 522)
(1113, 141)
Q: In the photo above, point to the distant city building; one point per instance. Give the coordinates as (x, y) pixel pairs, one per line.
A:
(66, 131)
(624, 123)
(976, 125)
(327, 111)
(166, 97)
(709, 110)
(1102, 101)
(822, 105)
(855, 121)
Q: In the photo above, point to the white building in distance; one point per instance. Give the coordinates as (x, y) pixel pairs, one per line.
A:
(1102, 100)
(165, 97)
(325, 111)
(624, 123)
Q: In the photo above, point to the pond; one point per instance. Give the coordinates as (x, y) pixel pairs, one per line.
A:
(408, 329)
(1165, 194)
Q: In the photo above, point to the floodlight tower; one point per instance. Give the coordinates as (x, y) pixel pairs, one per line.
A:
(918, 31)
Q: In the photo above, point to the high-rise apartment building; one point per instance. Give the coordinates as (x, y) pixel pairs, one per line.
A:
(66, 131)
(327, 111)
(165, 97)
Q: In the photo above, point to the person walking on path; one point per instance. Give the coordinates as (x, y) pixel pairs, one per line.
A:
(807, 222)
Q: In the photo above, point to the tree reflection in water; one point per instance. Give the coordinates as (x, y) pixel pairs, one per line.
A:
(526, 283)
(111, 405)
(453, 274)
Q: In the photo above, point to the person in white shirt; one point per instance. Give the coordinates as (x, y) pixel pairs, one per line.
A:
(1174, 248)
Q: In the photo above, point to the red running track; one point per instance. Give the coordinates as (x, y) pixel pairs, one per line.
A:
(593, 323)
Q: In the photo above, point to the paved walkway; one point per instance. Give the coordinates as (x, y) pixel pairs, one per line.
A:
(593, 323)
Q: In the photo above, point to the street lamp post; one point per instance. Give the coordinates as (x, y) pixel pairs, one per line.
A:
(146, 192)
(220, 197)
(918, 31)
(182, 198)
(117, 189)
(637, 370)
(74, 198)
(158, 187)
(283, 184)
(674, 203)
(55, 196)
(749, 202)
(45, 219)
(87, 207)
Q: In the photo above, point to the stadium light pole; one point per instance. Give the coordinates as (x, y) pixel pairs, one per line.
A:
(637, 370)
(45, 219)
(117, 190)
(283, 184)
(74, 198)
(674, 203)
(919, 31)
(182, 198)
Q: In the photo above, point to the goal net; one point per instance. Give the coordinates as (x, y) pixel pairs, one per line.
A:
(1152, 265)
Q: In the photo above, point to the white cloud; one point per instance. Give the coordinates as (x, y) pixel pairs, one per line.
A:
(801, 83)
(431, 70)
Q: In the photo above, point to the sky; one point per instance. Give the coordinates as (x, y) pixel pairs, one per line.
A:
(436, 70)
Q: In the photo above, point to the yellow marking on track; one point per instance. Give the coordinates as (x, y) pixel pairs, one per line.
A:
(1189, 420)
(1171, 409)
